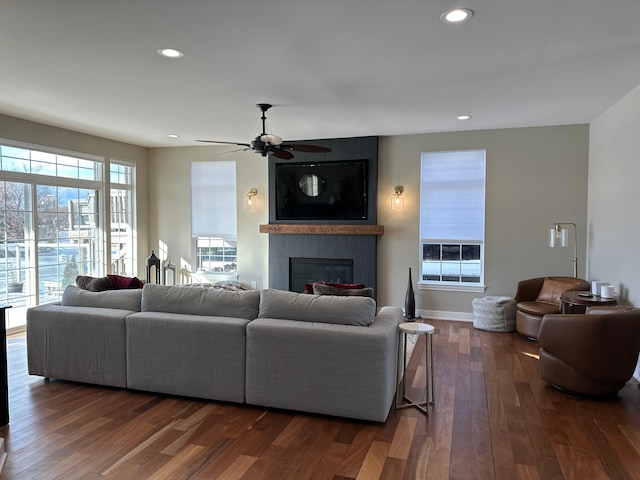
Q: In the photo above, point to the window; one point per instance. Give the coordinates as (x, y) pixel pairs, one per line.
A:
(213, 216)
(452, 205)
(122, 208)
(52, 223)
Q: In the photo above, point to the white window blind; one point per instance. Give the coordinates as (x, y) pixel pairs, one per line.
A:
(452, 196)
(213, 199)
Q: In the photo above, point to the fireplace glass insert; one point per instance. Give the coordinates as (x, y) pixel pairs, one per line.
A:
(309, 270)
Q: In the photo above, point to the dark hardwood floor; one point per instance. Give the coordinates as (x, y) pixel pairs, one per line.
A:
(493, 418)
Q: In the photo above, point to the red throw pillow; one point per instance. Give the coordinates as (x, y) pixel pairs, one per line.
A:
(308, 287)
(120, 281)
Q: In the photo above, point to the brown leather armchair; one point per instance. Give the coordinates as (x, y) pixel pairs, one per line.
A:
(591, 353)
(540, 296)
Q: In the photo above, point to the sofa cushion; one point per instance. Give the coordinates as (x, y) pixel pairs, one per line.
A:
(345, 310)
(120, 299)
(538, 308)
(195, 300)
(322, 289)
(552, 290)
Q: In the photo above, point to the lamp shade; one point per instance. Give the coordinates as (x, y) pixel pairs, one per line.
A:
(397, 199)
(397, 202)
(558, 237)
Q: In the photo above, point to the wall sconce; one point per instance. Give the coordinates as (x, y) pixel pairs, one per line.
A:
(558, 237)
(397, 200)
(250, 201)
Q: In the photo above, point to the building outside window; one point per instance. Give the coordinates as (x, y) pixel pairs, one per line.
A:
(452, 213)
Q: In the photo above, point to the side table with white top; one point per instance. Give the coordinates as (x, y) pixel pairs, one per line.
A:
(414, 328)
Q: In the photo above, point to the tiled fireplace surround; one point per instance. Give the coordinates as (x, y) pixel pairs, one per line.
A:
(327, 240)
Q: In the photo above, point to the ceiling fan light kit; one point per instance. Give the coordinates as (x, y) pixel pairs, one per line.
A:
(268, 143)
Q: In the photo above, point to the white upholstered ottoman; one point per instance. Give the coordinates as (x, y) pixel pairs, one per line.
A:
(495, 314)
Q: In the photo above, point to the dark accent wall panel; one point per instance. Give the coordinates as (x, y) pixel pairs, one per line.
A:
(357, 148)
(361, 248)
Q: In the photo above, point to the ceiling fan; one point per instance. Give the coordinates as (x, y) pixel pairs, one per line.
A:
(266, 143)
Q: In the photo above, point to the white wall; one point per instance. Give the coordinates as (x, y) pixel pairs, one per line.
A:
(170, 203)
(535, 177)
(614, 197)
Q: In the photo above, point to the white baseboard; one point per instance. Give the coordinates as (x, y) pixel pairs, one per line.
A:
(440, 315)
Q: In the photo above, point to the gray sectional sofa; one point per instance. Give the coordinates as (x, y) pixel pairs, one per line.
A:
(324, 354)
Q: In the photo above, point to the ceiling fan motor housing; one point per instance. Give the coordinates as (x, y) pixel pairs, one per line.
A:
(259, 146)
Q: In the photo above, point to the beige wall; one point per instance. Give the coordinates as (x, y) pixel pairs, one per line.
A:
(40, 134)
(535, 177)
(169, 208)
(614, 196)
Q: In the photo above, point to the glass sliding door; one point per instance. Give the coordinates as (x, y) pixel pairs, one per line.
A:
(68, 238)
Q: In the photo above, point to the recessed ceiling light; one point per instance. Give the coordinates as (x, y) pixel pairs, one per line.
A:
(456, 15)
(170, 53)
(463, 117)
(173, 135)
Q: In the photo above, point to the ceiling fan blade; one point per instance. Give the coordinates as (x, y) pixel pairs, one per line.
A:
(235, 150)
(226, 143)
(283, 154)
(302, 147)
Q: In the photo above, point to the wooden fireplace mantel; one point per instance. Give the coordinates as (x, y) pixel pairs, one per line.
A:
(311, 229)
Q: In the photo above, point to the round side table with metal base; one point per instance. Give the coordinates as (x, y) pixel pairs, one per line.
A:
(413, 328)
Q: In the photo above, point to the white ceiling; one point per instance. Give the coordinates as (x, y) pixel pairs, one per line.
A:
(332, 68)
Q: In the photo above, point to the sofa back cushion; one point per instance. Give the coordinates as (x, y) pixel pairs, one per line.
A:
(121, 299)
(194, 300)
(345, 310)
(553, 289)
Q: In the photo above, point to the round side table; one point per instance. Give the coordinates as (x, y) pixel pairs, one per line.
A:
(574, 298)
(414, 328)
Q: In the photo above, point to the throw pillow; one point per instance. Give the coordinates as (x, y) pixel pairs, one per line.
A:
(322, 289)
(552, 290)
(93, 284)
(308, 287)
(120, 281)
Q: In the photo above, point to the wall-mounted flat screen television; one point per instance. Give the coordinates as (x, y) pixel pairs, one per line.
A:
(322, 191)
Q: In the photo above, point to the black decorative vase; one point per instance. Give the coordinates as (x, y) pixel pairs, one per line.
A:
(410, 301)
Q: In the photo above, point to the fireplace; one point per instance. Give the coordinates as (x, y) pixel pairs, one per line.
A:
(309, 270)
(360, 250)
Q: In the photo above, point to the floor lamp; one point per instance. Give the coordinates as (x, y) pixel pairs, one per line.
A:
(558, 238)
